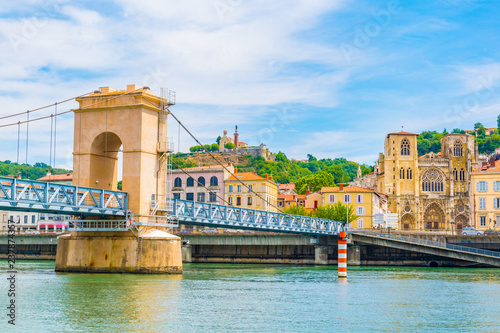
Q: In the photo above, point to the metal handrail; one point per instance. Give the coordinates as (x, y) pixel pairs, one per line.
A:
(437, 244)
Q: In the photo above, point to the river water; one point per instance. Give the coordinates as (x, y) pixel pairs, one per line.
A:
(255, 298)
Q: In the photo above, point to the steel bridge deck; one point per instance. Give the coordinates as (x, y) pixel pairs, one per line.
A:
(42, 197)
(220, 216)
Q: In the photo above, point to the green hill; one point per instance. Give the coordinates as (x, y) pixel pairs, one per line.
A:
(27, 171)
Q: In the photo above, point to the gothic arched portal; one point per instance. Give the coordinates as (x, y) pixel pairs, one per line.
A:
(434, 217)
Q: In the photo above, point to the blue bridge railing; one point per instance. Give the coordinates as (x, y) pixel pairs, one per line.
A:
(220, 216)
(34, 196)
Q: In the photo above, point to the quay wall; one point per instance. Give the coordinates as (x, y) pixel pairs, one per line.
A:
(275, 249)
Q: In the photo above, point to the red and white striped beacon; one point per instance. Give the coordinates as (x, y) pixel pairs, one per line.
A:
(342, 258)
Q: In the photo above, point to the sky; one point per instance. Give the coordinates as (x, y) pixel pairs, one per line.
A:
(322, 77)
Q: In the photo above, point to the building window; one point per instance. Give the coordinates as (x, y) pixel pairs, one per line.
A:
(360, 223)
(482, 203)
(190, 196)
(432, 181)
(238, 201)
(250, 188)
(239, 188)
(360, 211)
(213, 197)
(33, 219)
(230, 200)
(359, 198)
(249, 201)
(482, 220)
(201, 181)
(177, 196)
(482, 186)
(402, 173)
(455, 174)
(25, 219)
(496, 202)
(214, 181)
(409, 174)
(462, 174)
(178, 182)
(280, 203)
(405, 147)
(230, 188)
(332, 198)
(458, 149)
(190, 182)
(496, 186)
(347, 198)
(42, 216)
(200, 197)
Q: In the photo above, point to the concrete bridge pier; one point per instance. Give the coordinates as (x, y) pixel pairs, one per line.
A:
(187, 253)
(155, 252)
(321, 254)
(354, 255)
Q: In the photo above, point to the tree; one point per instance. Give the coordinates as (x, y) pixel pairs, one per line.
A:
(481, 132)
(119, 185)
(457, 130)
(218, 140)
(297, 210)
(311, 158)
(336, 212)
(314, 182)
(229, 145)
(477, 125)
(498, 122)
(215, 146)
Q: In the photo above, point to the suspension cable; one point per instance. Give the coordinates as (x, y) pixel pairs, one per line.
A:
(232, 174)
(55, 134)
(43, 107)
(27, 141)
(51, 131)
(18, 138)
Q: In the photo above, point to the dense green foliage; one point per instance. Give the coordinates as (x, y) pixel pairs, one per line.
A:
(212, 147)
(285, 171)
(27, 171)
(430, 141)
(229, 145)
(335, 212)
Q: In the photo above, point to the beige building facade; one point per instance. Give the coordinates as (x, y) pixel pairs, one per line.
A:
(256, 192)
(486, 196)
(430, 192)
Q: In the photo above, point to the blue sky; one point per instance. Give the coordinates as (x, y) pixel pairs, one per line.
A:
(322, 77)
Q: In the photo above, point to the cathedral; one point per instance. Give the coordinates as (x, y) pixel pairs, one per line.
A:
(429, 192)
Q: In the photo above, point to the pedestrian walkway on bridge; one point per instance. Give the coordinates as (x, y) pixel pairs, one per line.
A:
(490, 258)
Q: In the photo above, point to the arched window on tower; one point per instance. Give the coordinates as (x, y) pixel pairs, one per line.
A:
(201, 181)
(409, 174)
(458, 149)
(402, 173)
(462, 174)
(178, 182)
(405, 147)
(455, 174)
(432, 181)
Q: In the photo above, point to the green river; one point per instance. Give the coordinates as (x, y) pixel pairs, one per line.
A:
(254, 298)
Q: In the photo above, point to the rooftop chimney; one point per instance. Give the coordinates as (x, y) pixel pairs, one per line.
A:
(341, 186)
(308, 192)
(48, 173)
(267, 176)
(235, 170)
(492, 161)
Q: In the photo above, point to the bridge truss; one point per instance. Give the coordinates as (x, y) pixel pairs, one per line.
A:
(42, 197)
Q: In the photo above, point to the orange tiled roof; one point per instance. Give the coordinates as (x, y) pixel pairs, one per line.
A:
(346, 189)
(487, 168)
(290, 186)
(404, 133)
(246, 176)
(66, 176)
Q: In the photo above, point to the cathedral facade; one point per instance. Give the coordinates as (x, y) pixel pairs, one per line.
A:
(429, 192)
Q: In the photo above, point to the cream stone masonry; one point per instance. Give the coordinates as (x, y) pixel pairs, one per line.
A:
(431, 191)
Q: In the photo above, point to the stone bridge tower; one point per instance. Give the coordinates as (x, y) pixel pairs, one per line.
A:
(133, 120)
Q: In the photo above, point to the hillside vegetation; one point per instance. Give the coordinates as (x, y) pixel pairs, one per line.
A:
(27, 171)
